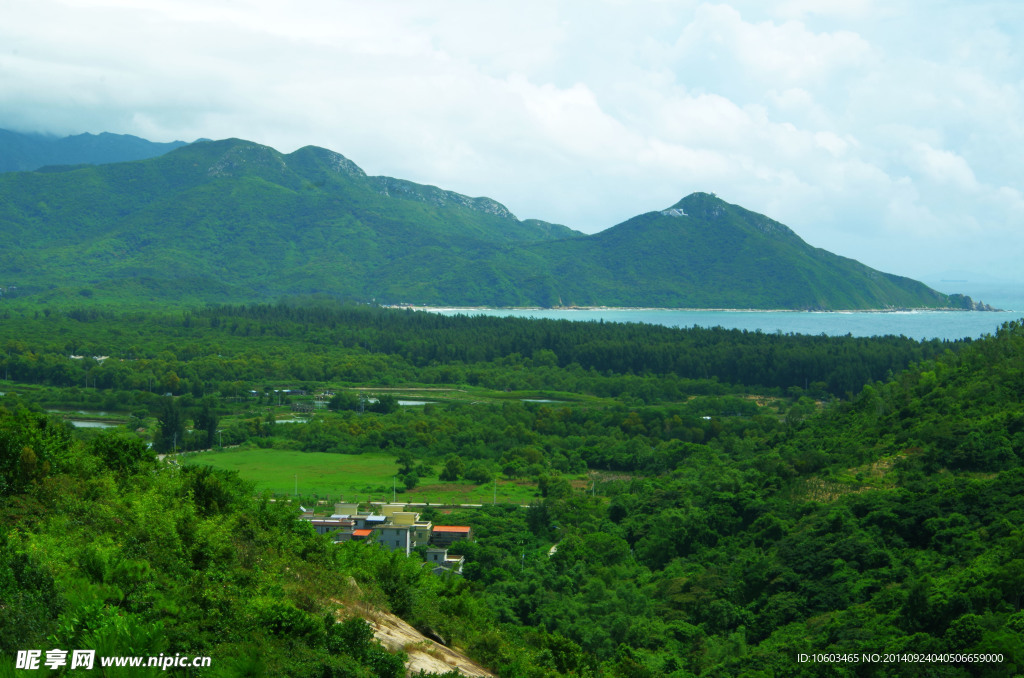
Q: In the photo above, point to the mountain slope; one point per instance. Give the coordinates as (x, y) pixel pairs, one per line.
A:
(234, 221)
(705, 253)
(27, 152)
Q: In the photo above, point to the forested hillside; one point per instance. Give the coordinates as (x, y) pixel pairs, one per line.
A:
(706, 253)
(700, 502)
(889, 525)
(233, 221)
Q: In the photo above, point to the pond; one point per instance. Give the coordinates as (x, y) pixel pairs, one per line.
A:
(88, 423)
(91, 418)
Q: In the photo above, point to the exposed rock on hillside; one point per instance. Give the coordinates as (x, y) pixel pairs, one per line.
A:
(424, 653)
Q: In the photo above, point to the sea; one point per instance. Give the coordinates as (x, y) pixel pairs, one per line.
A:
(915, 324)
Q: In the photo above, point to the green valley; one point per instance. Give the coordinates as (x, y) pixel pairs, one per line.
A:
(669, 502)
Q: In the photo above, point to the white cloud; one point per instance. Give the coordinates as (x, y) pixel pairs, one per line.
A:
(786, 53)
(831, 142)
(571, 119)
(944, 167)
(845, 9)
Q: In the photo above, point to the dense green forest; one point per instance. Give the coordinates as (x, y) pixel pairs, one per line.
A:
(223, 349)
(702, 502)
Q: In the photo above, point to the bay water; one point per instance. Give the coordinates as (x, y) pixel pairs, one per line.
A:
(915, 324)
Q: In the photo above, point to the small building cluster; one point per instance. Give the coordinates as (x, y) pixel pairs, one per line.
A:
(396, 529)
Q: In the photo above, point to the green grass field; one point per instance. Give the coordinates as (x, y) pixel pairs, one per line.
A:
(346, 477)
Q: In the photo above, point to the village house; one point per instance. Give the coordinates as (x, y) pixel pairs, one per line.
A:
(446, 535)
(442, 563)
(329, 525)
(394, 528)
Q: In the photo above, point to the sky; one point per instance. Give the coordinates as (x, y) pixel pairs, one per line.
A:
(891, 132)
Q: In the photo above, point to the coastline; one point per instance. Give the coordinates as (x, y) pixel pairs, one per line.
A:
(919, 323)
(925, 309)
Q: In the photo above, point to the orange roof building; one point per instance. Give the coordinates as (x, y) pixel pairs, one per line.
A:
(445, 535)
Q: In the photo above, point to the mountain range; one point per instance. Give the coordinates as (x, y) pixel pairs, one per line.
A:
(235, 221)
(21, 152)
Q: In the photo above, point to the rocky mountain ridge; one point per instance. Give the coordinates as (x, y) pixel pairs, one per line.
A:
(236, 221)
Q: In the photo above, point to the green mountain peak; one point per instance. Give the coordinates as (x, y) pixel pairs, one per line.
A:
(246, 158)
(314, 156)
(206, 221)
(709, 208)
(706, 207)
(698, 199)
